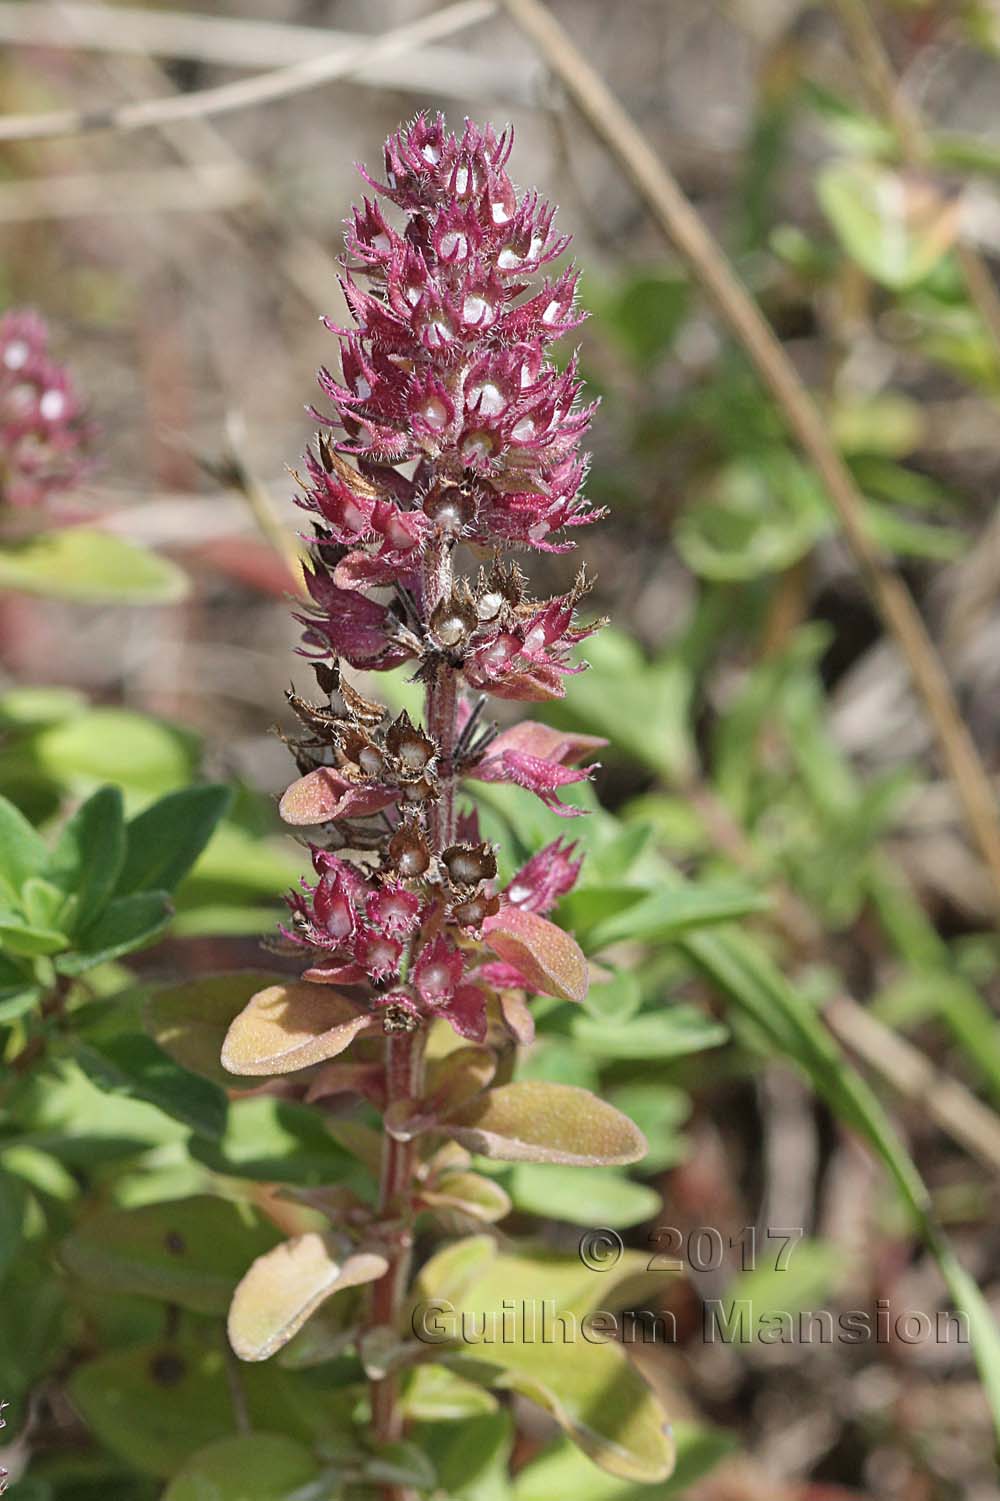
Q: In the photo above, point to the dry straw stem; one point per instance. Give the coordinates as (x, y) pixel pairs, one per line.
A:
(914, 143)
(239, 42)
(685, 229)
(246, 93)
(69, 195)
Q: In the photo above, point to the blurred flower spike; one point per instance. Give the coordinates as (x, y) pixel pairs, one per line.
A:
(44, 434)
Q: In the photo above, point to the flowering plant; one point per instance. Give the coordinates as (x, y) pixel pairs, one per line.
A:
(452, 429)
(43, 430)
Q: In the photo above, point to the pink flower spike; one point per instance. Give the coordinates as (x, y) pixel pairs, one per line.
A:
(323, 795)
(43, 432)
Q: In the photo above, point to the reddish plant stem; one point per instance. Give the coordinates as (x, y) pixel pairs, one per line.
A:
(404, 1050)
(441, 701)
(404, 1081)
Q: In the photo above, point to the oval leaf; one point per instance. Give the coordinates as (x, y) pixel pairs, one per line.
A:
(550, 960)
(90, 566)
(189, 1251)
(470, 1194)
(282, 1289)
(539, 1122)
(322, 795)
(287, 1027)
(248, 1467)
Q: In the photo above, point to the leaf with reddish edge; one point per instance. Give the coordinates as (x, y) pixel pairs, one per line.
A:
(323, 795)
(335, 974)
(538, 758)
(551, 962)
(366, 1079)
(466, 1011)
(541, 1122)
(516, 1016)
(288, 1027)
(284, 1287)
(535, 739)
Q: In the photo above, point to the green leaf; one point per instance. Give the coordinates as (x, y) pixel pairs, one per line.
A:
(583, 1379)
(664, 914)
(250, 1467)
(563, 1471)
(18, 1003)
(401, 1464)
(20, 937)
(156, 1405)
(135, 751)
(190, 1021)
(23, 851)
(671, 1033)
(165, 840)
(896, 229)
(795, 1276)
(276, 1141)
(585, 1196)
(88, 854)
(659, 1111)
(434, 1394)
(761, 514)
(191, 1251)
(42, 903)
(13, 1208)
(647, 313)
(614, 1000)
(915, 539)
(471, 1457)
(127, 923)
(89, 567)
(133, 1065)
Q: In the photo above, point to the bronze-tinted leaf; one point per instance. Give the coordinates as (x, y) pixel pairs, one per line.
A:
(282, 1289)
(287, 1027)
(539, 1122)
(550, 960)
(324, 794)
(458, 1076)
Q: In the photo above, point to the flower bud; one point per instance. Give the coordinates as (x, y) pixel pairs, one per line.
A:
(468, 864)
(449, 507)
(412, 748)
(408, 852)
(452, 623)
